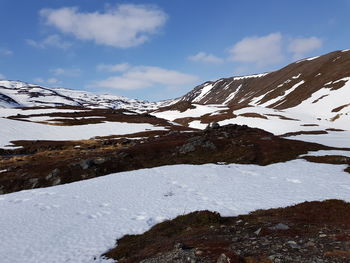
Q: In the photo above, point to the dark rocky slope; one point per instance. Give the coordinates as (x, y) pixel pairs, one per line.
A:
(309, 232)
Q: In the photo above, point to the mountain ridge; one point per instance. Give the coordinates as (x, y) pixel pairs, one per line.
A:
(23, 94)
(308, 95)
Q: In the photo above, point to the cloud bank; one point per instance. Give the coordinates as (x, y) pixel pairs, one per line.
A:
(206, 58)
(123, 26)
(141, 77)
(301, 46)
(263, 51)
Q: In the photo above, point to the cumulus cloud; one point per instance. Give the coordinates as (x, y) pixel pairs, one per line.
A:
(145, 77)
(263, 51)
(113, 68)
(49, 81)
(301, 46)
(206, 58)
(5, 52)
(70, 72)
(123, 26)
(50, 41)
(2, 76)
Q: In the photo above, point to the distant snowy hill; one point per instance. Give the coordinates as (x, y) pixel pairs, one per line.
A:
(21, 94)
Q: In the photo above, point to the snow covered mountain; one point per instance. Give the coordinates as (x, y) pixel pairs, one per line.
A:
(310, 94)
(21, 94)
(312, 80)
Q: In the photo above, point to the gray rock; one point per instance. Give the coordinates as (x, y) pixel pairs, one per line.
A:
(293, 244)
(56, 181)
(279, 226)
(52, 174)
(223, 259)
(99, 160)
(85, 164)
(257, 232)
(215, 125)
(33, 182)
(195, 142)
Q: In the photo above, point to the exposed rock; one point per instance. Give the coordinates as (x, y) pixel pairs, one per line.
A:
(34, 182)
(196, 142)
(223, 259)
(99, 160)
(56, 181)
(279, 226)
(52, 174)
(85, 164)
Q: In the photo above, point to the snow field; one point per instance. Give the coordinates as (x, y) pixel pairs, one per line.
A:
(198, 111)
(12, 130)
(79, 221)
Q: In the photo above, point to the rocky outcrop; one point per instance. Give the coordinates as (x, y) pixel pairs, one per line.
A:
(309, 232)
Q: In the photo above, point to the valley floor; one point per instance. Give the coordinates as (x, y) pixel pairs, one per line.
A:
(78, 222)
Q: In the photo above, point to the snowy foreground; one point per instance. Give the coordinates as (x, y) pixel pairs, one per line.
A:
(79, 221)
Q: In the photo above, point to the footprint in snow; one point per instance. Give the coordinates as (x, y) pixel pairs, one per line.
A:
(81, 213)
(94, 216)
(218, 203)
(140, 217)
(44, 207)
(153, 221)
(43, 193)
(105, 213)
(169, 194)
(18, 201)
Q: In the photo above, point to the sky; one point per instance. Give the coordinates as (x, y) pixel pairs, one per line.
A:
(161, 49)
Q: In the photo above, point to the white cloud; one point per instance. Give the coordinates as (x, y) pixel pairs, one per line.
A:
(206, 58)
(5, 52)
(122, 26)
(2, 76)
(144, 77)
(49, 81)
(113, 68)
(263, 51)
(72, 72)
(50, 41)
(301, 46)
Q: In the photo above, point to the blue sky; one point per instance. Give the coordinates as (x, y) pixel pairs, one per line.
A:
(161, 49)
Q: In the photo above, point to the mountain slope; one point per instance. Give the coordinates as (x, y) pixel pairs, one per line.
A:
(310, 94)
(282, 89)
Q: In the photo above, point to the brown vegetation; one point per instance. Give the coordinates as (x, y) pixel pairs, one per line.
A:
(46, 163)
(300, 233)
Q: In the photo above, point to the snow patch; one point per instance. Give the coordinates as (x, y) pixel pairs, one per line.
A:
(205, 90)
(20, 130)
(250, 76)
